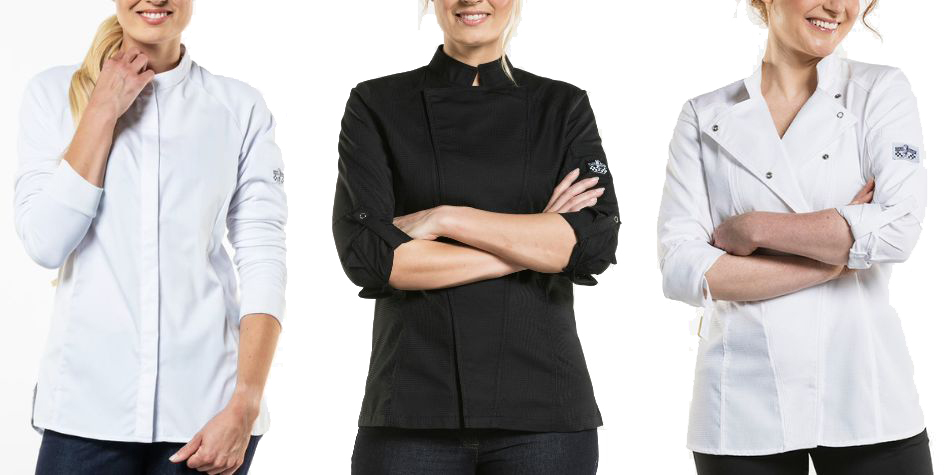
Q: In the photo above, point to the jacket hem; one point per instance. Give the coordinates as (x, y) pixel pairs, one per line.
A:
(41, 426)
(825, 443)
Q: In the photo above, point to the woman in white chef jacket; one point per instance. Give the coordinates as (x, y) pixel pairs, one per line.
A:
(133, 166)
(789, 196)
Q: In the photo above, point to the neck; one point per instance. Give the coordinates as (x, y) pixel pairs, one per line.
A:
(473, 55)
(161, 56)
(787, 72)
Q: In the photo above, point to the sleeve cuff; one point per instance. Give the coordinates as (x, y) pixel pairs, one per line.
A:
(265, 304)
(865, 220)
(71, 190)
(684, 272)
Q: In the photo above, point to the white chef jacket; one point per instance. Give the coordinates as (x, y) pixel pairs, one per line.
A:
(144, 336)
(826, 365)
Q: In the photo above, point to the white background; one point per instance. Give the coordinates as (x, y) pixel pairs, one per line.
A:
(639, 61)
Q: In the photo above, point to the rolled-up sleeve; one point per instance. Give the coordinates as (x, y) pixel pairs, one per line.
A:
(256, 218)
(684, 227)
(363, 208)
(53, 205)
(596, 228)
(887, 229)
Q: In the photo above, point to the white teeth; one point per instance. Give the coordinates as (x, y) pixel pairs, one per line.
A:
(824, 24)
(154, 16)
(474, 17)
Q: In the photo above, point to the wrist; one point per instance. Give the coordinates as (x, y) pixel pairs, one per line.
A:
(100, 114)
(246, 400)
(756, 229)
(446, 219)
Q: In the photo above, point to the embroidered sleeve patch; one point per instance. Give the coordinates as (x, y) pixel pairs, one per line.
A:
(906, 152)
(597, 166)
(279, 176)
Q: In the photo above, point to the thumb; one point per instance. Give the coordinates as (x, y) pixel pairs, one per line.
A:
(187, 451)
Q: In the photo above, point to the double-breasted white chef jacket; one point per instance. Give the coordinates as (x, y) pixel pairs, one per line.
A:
(826, 365)
(144, 336)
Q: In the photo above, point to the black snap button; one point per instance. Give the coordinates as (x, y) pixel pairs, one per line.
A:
(362, 215)
(715, 128)
(768, 175)
(825, 156)
(840, 115)
(838, 96)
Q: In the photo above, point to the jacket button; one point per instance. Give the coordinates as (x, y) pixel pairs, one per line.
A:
(825, 156)
(838, 96)
(768, 175)
(715, 128)
(841, 115)
(362, 215)
(617, 219)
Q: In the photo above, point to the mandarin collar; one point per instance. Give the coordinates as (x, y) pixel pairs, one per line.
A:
(490, 74)
(175, 75)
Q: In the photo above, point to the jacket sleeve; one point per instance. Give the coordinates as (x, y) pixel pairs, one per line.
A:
(684, 227)
(363, 208)
(256, 218)
(53, 205)
(887, 229)
(596, 228)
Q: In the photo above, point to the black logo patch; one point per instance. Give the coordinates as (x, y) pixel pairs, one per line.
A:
(597, 167)
(906, 152)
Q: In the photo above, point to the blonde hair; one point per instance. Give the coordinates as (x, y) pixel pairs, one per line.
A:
(107, 42)
(763, 12)
(511, 29)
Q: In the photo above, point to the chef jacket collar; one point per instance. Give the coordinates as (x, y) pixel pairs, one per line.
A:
(457, 72)
(175, 75)
(828, 77)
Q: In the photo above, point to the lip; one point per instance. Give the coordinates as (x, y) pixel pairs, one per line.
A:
(461, 17)
(820, 29)
(154, 21)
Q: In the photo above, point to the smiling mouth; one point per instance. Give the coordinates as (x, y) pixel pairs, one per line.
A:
(824, 25)
(154, 17)
(472, 18)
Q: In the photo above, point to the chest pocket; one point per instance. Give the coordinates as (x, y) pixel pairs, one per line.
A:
(480, 141)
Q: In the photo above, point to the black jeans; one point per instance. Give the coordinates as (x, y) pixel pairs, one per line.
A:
(903, 457)
(385, 451)
(62, 454)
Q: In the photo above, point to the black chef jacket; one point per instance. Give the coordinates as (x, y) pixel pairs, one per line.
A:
(501, 353)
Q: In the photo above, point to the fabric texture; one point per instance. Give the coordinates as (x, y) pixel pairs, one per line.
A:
(501, 353)
(144, 333)
(386, 451)
(62, 454)
(904, 457)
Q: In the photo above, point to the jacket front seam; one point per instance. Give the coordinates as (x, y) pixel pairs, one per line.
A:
(775, 376)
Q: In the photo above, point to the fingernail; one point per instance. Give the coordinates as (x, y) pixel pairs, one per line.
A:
(600, 190)
(575, 171)
(173, 458)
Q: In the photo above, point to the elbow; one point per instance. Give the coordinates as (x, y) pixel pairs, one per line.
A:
(47, 257)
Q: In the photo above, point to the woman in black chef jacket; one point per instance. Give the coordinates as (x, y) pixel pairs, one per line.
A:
(468, 213)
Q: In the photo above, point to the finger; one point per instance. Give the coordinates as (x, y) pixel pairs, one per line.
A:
(188, 450)
(574, 190)
(139, 63)
(583, 204)
(235, 468)
(582, 200)
(562, 186)
(118, 56)
(145, 78)
(131, 53)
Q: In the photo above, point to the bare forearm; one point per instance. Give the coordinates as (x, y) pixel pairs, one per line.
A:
(258, 341)
(88, 153)
(822, 235)
(542, 242)
(758, 277)
(427, 265)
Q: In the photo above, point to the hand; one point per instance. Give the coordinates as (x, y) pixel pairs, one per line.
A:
(122, 79)
(220, 445)
(736, 235)
(423, 224)
(865, 195)
(569, 196)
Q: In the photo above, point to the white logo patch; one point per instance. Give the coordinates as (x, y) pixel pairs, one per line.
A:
(906, 152)
(598, 167)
